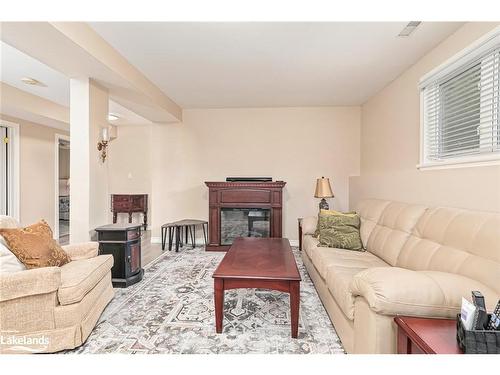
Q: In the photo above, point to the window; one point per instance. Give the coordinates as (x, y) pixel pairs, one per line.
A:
(460, 104)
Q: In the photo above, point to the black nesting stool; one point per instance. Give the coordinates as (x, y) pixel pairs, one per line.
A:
(180, 230)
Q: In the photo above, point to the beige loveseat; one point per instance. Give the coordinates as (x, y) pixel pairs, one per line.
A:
(54, 308)
(419, 261)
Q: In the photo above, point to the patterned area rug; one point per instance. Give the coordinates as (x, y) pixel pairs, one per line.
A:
(171, 311)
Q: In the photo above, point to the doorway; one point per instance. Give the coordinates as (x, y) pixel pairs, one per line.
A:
(9, 169)
(62, 210)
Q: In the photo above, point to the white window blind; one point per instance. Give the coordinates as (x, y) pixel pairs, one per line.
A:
(460, 110)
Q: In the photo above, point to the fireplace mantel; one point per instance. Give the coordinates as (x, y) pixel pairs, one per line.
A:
(243, 195)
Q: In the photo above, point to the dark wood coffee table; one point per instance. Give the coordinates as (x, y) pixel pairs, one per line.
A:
(427, 336)
(266, 263)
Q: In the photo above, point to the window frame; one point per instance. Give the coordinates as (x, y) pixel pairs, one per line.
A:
(448, 68)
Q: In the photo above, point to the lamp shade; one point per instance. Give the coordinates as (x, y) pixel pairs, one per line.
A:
(323, 188)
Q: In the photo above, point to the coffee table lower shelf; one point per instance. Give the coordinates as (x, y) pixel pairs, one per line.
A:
(287, 286)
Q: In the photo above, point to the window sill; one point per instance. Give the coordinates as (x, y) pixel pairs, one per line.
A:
(463, 163)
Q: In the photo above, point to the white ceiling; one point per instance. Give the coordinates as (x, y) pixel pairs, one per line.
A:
(215, 65)
(15, 65)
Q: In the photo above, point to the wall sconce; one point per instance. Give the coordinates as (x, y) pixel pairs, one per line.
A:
(102, 145)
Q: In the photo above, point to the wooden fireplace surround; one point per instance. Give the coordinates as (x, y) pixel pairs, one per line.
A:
(243, 195)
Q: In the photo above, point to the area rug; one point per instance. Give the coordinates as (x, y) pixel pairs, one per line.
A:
(171, 311)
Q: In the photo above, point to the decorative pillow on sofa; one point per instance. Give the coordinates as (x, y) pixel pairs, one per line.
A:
(34, 246)
(324, 213)
(340, 231)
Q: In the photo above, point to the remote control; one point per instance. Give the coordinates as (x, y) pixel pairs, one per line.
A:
(478, 299)
(494, 322)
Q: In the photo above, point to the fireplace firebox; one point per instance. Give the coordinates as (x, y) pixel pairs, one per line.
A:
(243, 209)
(243, 222)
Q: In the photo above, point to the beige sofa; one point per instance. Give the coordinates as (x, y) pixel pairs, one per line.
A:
(419, 261)
(55, 308)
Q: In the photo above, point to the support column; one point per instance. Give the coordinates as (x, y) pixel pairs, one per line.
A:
(89, 198)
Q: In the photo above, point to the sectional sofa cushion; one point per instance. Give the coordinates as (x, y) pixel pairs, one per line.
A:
(393, 229)
(457, 241)
(309, 245)
(338, 280)
(369, 211)
(323, 257)
(8, 222)
(338, 267)
(79, 277)
(399, 291)
(309, 225)
(8, 261)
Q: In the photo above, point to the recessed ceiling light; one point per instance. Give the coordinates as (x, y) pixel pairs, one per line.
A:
(410, 28)
(32, 82)
(113, 117)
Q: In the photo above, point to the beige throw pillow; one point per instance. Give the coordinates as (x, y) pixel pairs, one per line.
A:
(34, 246)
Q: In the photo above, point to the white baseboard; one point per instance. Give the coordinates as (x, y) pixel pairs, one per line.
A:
(294, 242)
(155, 239)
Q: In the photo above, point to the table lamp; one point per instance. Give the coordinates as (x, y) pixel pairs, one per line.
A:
(323, 190)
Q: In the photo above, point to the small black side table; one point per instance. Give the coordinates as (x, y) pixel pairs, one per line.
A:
(179, 230)
(123, 241)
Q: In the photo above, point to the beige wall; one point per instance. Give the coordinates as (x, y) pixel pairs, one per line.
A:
(63, 163)
(390, 143)
(37, 171)
(295, 145)
(129, 163)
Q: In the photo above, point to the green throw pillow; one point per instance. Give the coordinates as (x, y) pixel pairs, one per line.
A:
(326, 213)
(340, 231)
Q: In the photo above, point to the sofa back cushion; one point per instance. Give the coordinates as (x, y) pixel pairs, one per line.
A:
(457, 241)
(369, 211)
(7, 222)
(393, 229)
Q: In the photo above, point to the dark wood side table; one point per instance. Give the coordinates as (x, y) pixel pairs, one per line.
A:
(427, 336)
(123, 241)
(300, 232)
(130, 203)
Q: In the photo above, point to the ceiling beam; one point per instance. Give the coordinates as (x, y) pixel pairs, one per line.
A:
(76, 50)
(21, 104)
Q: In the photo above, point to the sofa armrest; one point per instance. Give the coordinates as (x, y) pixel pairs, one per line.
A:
(399, 291)
(309, 224)
(84, 250)
(29, 283)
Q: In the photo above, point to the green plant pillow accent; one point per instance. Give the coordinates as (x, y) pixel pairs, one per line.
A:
(326, 213)
(340, 231)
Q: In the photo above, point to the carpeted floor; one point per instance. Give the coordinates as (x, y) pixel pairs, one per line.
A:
(171, 311)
